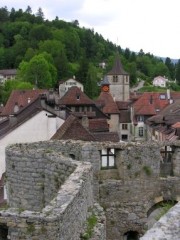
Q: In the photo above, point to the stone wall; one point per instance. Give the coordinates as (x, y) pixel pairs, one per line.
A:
(34, 176)
(127, 192)
(66, 209)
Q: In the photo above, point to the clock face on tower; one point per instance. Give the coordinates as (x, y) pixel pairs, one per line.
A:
(105, 88)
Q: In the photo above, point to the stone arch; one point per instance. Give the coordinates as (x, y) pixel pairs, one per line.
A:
(3, 231)
(72, 156)
(131, 235)
(157, 211)
(160, 204)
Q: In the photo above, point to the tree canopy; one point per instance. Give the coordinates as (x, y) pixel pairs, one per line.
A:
(47, 51)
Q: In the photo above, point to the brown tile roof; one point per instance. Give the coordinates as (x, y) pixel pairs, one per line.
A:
(6, 72)
(75, 96)
(150, 103)
(122, 105)
(107, 102)
(125, 116)
(73, 129)
(117, 68)
(98, 125)
(170, 115)
(20, 98)
(107, 136)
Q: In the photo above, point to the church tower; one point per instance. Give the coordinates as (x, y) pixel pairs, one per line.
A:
(119, 81)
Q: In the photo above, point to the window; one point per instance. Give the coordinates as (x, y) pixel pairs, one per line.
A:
(162, 96)
(141, 131)
(167, 153)
(140, 118)
(124, 137)
(115, 78)
(124, 126)
(108, 158)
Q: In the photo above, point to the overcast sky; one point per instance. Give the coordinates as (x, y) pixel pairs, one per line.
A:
(151, 25)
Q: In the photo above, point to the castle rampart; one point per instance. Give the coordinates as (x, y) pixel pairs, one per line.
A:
(127, 179)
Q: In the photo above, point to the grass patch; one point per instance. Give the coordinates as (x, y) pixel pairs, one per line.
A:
(147, 170)
(164, 210)
(91, 223)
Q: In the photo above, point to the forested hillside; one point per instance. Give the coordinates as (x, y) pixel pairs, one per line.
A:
(45, 52)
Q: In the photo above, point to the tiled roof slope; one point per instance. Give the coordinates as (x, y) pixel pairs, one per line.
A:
(75, 96)
(169, 115)
(125, 116)
(123, 105)
(8, 71)
(98, 125)
(107, 136)
(109, 106)
(73, 129)
(150, 103)
(117, 68)
(21, 98)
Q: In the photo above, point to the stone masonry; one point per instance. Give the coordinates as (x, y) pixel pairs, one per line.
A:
(47, 189)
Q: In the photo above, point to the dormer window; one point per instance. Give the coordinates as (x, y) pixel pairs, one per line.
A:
(77, 96)
(162, 96)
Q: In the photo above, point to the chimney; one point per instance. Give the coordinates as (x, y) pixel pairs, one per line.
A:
(168, 94)
(85, 121)
(16, 107)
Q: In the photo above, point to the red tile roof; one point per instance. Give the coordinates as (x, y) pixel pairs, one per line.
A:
(20, 98)
(108, 103)
(98, 125)
(75, 96)
(122, 105)
(107, 136)
(73, 129)
(150, 103)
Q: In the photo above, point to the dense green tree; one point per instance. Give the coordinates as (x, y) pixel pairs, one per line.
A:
(91, 87)
(171, 67)
(38, 71)
(40, 15)
(4, 14)
(132, 70)
(161, 69)
(127, 53)
(28, 10)
(24, 35)
(177, 74)
(57, 50)
(10, 85)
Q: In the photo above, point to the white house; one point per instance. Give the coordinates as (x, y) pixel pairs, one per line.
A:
(35, 122)
(64, 86)
(160, 81)
(7, 74)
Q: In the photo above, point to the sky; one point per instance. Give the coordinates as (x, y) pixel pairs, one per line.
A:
(150, 25)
